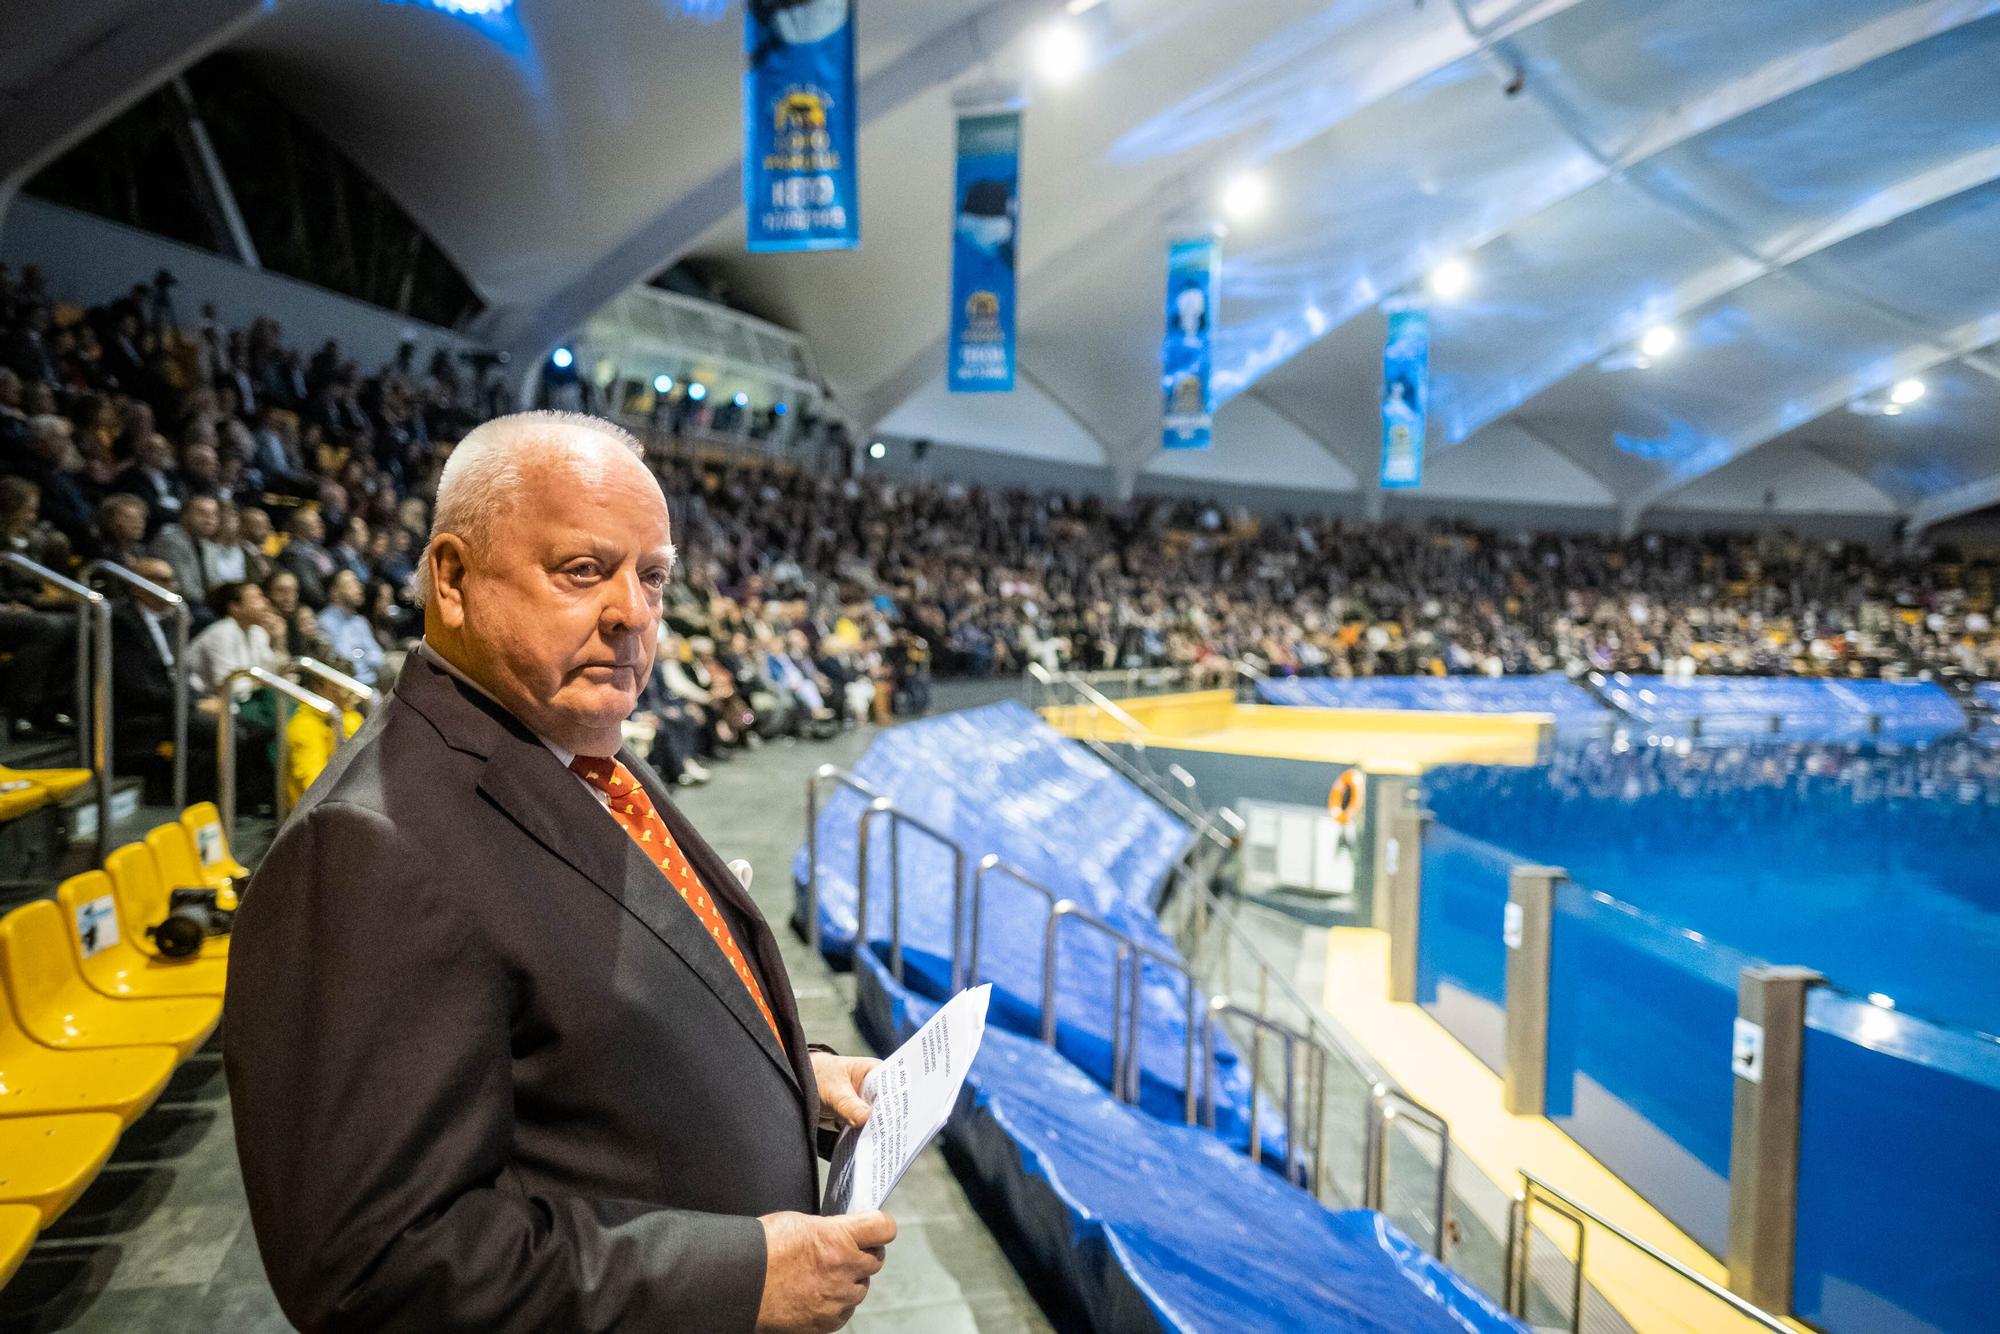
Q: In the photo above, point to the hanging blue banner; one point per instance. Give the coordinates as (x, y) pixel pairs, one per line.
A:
(1193, 276)
(988, 203)
(1406, 380)
(800, 187)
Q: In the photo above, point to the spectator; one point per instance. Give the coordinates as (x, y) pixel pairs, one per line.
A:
(185, 545)
(245, 633)
(300, 636)
(121, 519)
(348, 630)
(304, 556)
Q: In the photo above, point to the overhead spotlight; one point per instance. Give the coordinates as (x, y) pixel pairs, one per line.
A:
(1907, 392)
(1658, 341)
(878, 450)
(663, 384)
(1892, 409)
(697, 390)
(779, 409)
(1245, 195)
(562, 358)
(1450, 279)
(1060, 52)
(742, 400)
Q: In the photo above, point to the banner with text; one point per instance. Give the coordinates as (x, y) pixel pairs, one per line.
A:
(988, 202)
(1193, 275)
(1406, 376)
(801, 190)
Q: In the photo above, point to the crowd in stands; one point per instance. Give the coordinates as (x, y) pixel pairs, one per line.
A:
(286, 494)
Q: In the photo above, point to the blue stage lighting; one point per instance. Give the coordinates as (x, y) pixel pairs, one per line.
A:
(663, 384)
(697, 391)
(563, 358)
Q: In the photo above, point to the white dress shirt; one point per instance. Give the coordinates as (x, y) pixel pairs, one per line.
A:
(227, 647)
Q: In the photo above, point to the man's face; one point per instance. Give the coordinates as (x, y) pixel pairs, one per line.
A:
(256, 525)
(160, 573)
(284, 593)
(128, 524)
(251, 605)
(308, 526)
(201, 463)
(203, 517)
(346, 591)
(561, 608)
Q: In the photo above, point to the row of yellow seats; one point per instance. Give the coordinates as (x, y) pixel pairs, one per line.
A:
(24, 790)
(94, 1022)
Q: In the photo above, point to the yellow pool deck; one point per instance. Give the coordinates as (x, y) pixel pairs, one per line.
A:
(1429, 1063)
(1379, 740)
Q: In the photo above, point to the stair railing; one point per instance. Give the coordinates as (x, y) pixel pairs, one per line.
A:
(333, 676)
(815, 784)
(282, 690)
(93, 681)
(881, 808)
(183, 618)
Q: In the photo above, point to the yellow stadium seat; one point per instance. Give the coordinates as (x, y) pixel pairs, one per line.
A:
(111, 964)
(180, 867)
(141, 895)
(41, 1081)
(58, 1009)
(19, 1225)
(46, 1161)
(204, 825)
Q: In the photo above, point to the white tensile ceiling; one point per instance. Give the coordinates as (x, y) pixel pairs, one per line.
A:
(1807, 191)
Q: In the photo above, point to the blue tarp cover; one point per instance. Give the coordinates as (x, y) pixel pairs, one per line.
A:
(1151, 1225)
(1000, 780)
(1569, 703)
(1809, 708)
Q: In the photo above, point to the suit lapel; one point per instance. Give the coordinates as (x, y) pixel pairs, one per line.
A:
(534, 791)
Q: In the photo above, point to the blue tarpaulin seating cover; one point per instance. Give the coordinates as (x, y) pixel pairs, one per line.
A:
(999, 780)
(1149, 1225)
(1569, 703)
(1804, 708)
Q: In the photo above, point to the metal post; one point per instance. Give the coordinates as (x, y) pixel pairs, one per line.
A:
(1405, 866)
(1528, 930)
(84, 628)
(1767, 1057)
(281, 750)
(100, 722)
(183, 623)
(1383, 796)
(225, 761)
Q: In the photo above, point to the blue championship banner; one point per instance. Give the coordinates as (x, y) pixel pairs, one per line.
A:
(1193, 274)
(988, 201)
(1406, 378)
(800, 187)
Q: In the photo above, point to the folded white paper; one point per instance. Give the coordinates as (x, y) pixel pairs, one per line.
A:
(911, 1093)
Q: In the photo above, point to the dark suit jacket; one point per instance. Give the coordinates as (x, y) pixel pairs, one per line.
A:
(487, 1070)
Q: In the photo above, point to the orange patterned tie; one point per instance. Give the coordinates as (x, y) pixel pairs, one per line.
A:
(635, 814)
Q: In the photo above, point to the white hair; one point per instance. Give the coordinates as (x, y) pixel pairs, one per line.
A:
(492, 463)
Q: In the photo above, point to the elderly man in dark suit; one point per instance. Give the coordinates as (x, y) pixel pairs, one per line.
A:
(509, 1047)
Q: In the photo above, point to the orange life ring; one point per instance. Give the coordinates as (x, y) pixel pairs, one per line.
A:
(1344, 801)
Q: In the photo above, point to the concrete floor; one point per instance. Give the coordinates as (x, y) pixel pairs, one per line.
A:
(161, 1241)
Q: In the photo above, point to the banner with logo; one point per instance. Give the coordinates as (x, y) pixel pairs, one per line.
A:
(801, 190)
(1406, 380)
(1193, 276)
(987, 203)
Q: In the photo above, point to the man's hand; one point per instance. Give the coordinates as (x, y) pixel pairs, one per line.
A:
(816, 1270)
(839, 1079)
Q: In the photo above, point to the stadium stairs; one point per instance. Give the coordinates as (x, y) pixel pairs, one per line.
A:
(1140, 1220)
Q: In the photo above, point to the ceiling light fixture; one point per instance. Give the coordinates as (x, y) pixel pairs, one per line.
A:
(1907, 392)
(1245, 196)
(878, 450)
(1450, 279)
(663, 384)
(1658, 341)
(562, 358)
(1060, 52)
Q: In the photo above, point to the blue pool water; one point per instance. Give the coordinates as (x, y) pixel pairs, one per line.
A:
(1880, 867)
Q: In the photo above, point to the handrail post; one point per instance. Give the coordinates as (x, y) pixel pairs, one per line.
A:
(225, 761)
(1122, 955)
(819, 777)
(101, 724)
(177, 606)
(875, 808)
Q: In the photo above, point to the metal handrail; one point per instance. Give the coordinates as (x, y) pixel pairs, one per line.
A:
(225, 736)
(819, 777)
(991, 864)
(897, 817)
(333, 676)
(183, 626)
(1385, 1104)
(1260, 1024)
(1051, 943)
(1134, 1061)
(1520, 1229)
(93, 682)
